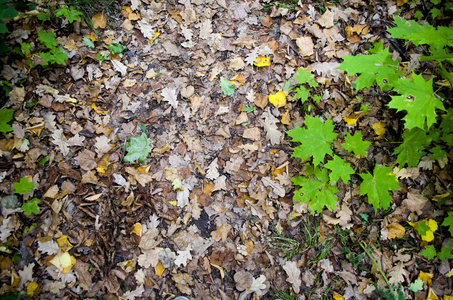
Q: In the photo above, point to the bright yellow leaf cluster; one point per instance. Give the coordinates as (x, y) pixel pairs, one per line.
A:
(262, 61)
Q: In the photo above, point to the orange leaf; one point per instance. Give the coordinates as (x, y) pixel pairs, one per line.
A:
(396, 231)
(285, 118)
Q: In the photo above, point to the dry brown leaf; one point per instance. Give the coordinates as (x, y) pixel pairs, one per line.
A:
(397, 274)
(395, 230)
(221, 233)
(99, 20)
(293, 272)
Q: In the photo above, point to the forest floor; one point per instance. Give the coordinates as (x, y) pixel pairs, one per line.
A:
(209, 213)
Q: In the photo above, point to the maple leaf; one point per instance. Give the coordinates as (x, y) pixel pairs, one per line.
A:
(31, 206)
(418, 100)
(47, 39)
(226, 87)
(315, 190)
(138, 148)
(355, 143)
(448, 221)
(414, 142)
(376, 186)
(315, 139)
(377, 67)
(23, 186)
(339, 169)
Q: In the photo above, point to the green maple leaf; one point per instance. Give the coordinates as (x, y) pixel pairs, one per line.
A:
(69, 13)
(47, 39)
(376, 186)
(316, 139)
(411, 149)
(422, 34)
(429, 252)
(58, 56)
(423, 228)
(448, 221)
(23, 186)
(116, 48)
(138, 148)
(377, 67)
(316, 190)
(418, 101)
(303, 76)
(339, 169)
(226, 87)
(438, 153)
(445, 253)
(6, 115)
(31, 206)
(446, 125)
(355, 143)
(416, 286)
(302, 93)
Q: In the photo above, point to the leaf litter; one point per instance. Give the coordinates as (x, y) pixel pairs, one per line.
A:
(188, 203)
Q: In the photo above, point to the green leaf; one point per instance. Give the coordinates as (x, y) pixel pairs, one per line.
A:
(316, 190)
(303, 76)
(438, 153)
(31, 207)
(445, 253)
(302, 93)
(227, 87)
(435, 12)
(339, 169)
(316, 139)
(418, 101)
(116, 48)
(416, 286)
(138, 148)
(448, 221)
(376, 186)
(429, 252)
(6, 115)
(70, 14)
(25, 47)
(377, 67)
(88, 42)
(47, 39)
(23, 186)
(8, 12)
(410, 150)
(355, 143)
(43, 161)
(423, 227)
(59, 57)
(422, 34)
(248, 109)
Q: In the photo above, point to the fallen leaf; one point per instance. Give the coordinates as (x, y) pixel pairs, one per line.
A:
(395, 230)
(278, 99)
(262, 61)
(99, 20)
(293, 272)
(379, 128)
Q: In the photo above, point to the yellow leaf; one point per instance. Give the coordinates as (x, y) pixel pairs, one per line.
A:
(174, 203)
(99, 20)
(31, 287)
(337, 296)
(379, 128)
(177, 184)
(425, 277)
(401, 2)
(429, 235)
(63, 261)
(262, 61)
(446, 297)
(431, 295)
(103, 164)
(396, 231)
(63, 243)
(137, 229)
(159, 268)
(156, 35)
(278, 99)
(351, 120)
(285, 118)
(93, 106)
